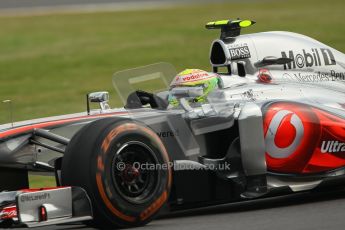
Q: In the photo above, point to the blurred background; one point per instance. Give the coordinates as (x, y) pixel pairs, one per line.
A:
(53, 52)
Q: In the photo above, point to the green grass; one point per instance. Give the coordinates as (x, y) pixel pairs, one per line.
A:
(48, 63)
(38, 181)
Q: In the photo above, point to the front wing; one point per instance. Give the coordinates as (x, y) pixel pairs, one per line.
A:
(40, 207)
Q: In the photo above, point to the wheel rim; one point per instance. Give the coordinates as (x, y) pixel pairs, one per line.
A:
(135, 184)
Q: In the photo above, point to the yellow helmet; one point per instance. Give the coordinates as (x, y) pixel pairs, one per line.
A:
(193, 78)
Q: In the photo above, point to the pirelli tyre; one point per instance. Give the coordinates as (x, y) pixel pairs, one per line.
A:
(124, 167)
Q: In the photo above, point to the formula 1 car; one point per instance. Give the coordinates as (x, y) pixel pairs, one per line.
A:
(274, 125)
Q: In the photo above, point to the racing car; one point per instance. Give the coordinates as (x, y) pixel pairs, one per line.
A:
(267, 120)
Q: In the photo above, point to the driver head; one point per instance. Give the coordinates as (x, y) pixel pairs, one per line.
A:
(195, 78)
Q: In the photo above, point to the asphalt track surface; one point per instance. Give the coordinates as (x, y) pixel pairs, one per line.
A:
(7, 4)
(43, 7)
(46, 7)
(317, 211)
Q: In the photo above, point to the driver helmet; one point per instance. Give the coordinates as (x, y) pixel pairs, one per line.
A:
(195, 78)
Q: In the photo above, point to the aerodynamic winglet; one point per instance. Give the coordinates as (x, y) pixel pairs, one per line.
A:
(229, 28)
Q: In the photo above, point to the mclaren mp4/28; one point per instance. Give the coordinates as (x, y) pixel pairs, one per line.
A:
(273, 124)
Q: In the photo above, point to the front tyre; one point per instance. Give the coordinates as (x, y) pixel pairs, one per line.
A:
(124, 167)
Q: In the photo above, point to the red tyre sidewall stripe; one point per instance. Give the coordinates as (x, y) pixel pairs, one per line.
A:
(105, 146)
(108, 203)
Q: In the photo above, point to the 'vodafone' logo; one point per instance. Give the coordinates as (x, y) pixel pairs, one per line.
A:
(275, 125)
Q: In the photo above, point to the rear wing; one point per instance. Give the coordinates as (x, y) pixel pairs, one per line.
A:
(229, 28)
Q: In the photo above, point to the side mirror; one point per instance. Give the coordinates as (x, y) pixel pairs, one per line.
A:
(98, 97)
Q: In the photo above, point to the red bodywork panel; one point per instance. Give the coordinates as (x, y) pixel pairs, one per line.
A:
(8, 212)
(301, 139)
(27, 128)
